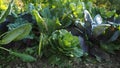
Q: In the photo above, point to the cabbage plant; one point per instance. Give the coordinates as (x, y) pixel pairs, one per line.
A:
(64, 43)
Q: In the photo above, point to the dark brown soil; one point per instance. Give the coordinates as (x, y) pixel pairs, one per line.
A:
(113, 63)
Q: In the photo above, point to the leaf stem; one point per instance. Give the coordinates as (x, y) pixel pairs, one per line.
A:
(40, 44)
(4, 49)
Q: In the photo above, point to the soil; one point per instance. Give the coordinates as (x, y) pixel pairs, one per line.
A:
(42, 63)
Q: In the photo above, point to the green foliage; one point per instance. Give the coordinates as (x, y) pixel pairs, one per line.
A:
(107, 3)
(64, 10)
(110, 47)
(64, 43)
(23, 57)
(16, 34)
(87, 19)
(46, 23)
(30, 1)
(62, 48)
(96, 32)
(100, 29)
(7, 12)
(18, 22)
(40, 22)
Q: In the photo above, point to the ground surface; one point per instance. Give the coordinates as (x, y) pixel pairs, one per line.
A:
(113, 63)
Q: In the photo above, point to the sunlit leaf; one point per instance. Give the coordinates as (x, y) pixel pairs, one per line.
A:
(88, 21)
(40, 21)
(88, 17)
(98, 19)
(6, 13)
(16, 34)
(66, 43)
(99, 29)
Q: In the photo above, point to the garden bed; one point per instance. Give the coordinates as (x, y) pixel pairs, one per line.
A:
(59, 34)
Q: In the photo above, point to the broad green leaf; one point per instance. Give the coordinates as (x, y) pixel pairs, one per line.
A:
(16, 34)
(6, 13)
(46, 13)
(27, 28)
(115, 36)
(73, 6)
(16, 23)
(40, 21)
(78, 52)
(24, 57)
(99, 29)
(52, 24)
(110, 13)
